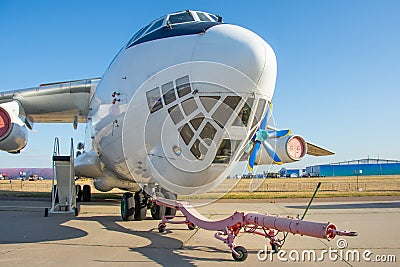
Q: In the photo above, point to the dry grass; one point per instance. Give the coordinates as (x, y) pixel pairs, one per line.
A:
(42, 186)
(247, 188)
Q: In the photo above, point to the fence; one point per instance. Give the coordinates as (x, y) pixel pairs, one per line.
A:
(310, 187)
(242, 185)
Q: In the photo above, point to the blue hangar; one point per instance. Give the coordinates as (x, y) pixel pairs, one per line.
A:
(356, 167)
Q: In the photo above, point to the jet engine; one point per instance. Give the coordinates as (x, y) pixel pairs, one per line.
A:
(109, 182)
(289, 149)
(13, 132)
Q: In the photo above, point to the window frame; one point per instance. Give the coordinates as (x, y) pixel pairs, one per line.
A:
(151, 29)
(191, 14)
(138, 35)
(214, 17)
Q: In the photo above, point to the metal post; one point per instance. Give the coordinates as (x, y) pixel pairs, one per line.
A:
(312, 198)
(359, 173)
(357, 181)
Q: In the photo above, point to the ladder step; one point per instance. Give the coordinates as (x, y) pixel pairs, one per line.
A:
(61, 158)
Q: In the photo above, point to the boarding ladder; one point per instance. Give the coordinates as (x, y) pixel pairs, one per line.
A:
(63, 194)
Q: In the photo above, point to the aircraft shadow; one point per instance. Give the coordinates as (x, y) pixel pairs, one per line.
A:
(375, 205)
(167, 244)
(31, 227)
(28, 225)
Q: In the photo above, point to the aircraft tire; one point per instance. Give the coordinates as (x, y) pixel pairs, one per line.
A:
(76, 210)
(86, 193)
(140, 206)
(157, 212)
(128, 207)
(79, 193)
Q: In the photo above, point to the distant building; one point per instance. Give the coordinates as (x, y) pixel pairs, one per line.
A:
(284, 172)
(353, 167)
(15, 173)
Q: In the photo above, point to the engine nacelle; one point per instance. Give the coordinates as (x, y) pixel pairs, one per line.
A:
(289, 149)
(13, 132)
(108, 183)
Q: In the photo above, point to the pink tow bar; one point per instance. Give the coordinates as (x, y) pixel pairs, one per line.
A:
(295, 226)
(265, 225)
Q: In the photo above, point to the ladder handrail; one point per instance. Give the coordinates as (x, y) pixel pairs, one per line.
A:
(56, 152)
(56, 147)
(71, 171)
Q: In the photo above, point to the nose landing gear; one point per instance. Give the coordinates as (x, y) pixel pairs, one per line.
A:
(134, 206)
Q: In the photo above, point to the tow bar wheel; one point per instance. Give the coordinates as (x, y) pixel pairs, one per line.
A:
(241, 253)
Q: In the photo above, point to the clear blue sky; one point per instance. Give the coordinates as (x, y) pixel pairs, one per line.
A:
(338, 81)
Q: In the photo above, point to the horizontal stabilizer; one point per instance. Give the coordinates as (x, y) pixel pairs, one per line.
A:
(317, 151)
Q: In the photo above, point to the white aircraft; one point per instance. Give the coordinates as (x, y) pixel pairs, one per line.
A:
(179, 106)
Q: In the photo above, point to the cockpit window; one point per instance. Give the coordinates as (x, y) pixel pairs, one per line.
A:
(203, 17)
(193, 22)
(156, 25)
(215, 18)
(137, 35)
(181, 18)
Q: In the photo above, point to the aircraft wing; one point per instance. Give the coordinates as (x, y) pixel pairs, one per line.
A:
(315, 150)
(55, 102)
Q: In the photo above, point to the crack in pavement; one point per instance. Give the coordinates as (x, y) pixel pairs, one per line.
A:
(6, 252)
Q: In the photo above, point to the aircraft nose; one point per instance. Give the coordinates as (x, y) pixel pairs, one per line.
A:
(242, 50)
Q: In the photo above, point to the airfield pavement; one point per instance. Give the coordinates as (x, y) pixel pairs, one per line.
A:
(98, 236)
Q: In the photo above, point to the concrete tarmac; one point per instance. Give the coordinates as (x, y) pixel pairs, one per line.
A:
(98, 236)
